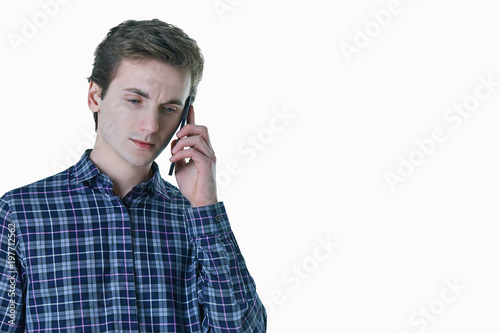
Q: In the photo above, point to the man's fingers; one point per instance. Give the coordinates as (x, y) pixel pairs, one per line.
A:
(195, 142)
(193, 130)
(202, 161)
(190, 115)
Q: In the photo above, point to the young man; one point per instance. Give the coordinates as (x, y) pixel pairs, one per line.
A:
(108, 245)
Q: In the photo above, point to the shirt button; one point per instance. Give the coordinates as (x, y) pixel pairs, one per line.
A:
(218, 218)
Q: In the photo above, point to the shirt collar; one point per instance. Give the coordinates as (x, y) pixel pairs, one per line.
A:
(85, 171)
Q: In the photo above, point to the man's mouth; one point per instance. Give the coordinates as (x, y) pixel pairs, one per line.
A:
(143, 144)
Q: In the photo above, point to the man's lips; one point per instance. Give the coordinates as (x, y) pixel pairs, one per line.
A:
(143, 144)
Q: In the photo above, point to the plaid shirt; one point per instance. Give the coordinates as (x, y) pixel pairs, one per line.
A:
(74, 257)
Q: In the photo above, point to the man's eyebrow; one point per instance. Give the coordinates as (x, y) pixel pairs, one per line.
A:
(146, 95)
(138, 92)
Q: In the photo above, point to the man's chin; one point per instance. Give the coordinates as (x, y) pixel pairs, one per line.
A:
(141, 159)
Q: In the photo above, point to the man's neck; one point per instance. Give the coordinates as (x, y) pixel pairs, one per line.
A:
(123, 175)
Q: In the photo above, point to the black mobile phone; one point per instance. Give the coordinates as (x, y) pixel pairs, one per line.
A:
(183, 122)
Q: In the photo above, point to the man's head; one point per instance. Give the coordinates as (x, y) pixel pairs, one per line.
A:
(143, 73)
(146, 40)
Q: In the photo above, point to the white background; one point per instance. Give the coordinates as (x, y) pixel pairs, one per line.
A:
(321, 177)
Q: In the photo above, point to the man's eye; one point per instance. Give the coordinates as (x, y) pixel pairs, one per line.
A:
(169, 110)
(134, 101)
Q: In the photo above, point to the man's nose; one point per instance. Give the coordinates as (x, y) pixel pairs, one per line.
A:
(149, 121)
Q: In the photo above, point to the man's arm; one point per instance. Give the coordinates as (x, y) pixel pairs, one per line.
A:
(11, 290)
(226, 291)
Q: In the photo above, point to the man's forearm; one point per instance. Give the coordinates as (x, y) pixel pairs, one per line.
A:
(228, 293)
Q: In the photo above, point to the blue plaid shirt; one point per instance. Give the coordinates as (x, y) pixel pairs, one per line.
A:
(75, 257)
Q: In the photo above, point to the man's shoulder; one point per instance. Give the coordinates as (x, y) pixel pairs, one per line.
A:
(171, 191)
(51, 184)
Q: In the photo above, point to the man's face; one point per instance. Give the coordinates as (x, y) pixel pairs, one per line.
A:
(140, 111)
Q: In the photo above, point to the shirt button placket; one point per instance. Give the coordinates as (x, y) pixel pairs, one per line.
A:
(125, 265)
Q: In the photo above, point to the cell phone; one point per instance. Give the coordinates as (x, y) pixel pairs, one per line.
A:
(183, 122)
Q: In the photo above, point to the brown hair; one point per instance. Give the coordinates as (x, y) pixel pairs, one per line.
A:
(152, 39)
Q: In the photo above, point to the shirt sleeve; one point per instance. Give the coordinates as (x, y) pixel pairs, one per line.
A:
(11, 289)
(226, 291)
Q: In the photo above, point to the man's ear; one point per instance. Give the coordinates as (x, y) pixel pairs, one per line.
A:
(94, 97)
